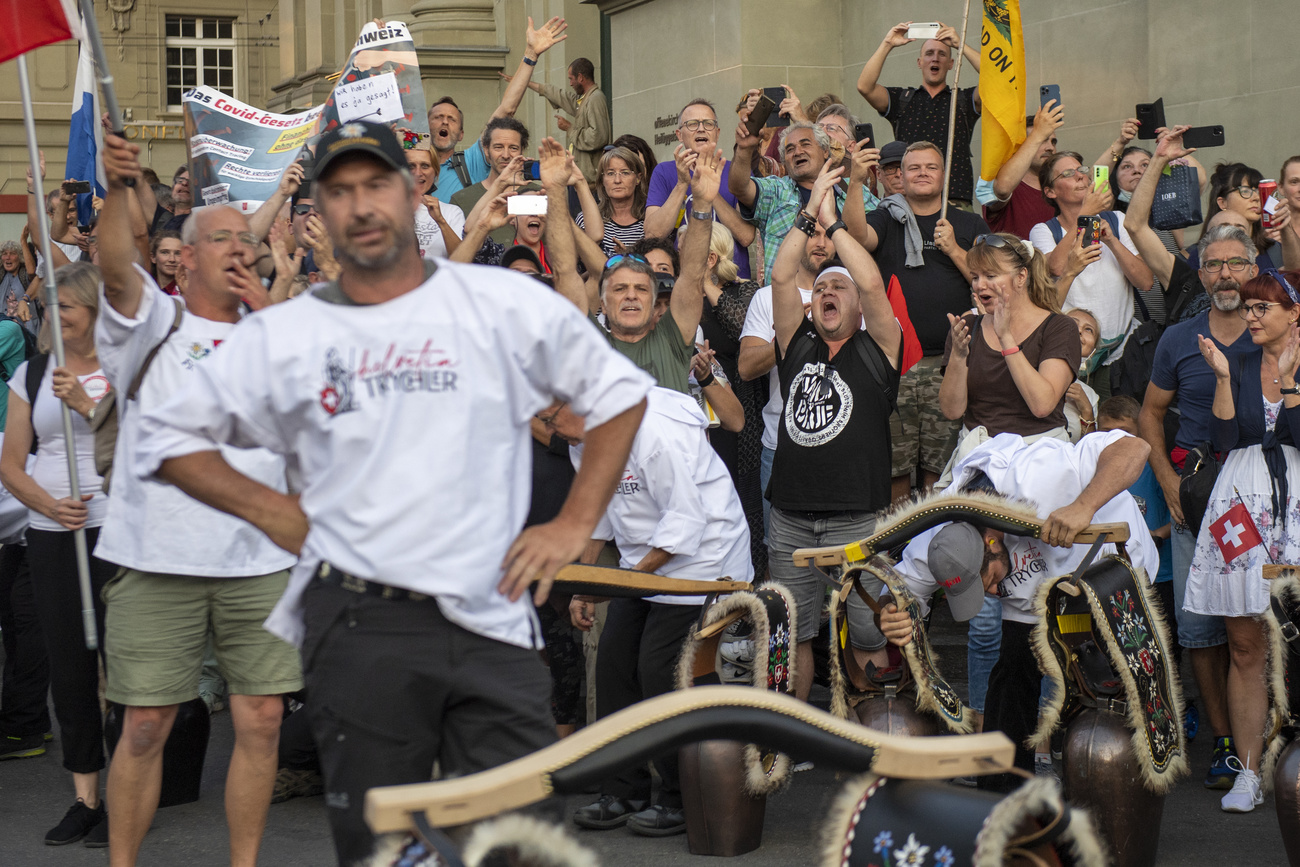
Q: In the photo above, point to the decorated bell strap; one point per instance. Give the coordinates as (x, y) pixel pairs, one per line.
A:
(981, 509)
(877, 821)
(1105, 623)
(919, 673)
(748, 638)
(1282, 622)
(521, 841)
(580, 580)
(657, 725)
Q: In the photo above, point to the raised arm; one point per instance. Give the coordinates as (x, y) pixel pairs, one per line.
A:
(122, 285)
(537, 42)
(260, 223)
(787, 303)
(1137, 220)
(1079, 257)
(855, 210)
(687, 301)
(660, 220)
(490, 215)
(1047, 121)
(1223, 426)
(868, 81)
(739, 182)
(877, 312)
(556, 165)
(1128, 130)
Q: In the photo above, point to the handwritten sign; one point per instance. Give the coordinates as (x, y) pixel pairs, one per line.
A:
(375, 98)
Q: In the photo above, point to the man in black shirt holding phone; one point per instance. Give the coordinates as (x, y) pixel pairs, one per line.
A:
(921, 113)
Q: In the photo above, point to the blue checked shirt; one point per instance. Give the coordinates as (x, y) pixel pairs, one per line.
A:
(775, 207)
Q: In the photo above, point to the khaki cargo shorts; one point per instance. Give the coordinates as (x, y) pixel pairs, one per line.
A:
(919, 434)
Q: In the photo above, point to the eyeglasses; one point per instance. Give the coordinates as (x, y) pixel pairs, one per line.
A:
(1246, 191)
(221, 236)
(1070, 173)
(696, 125)
(614, 175)
(549, 420)
(1236, 264)
(833, 127)
(1257, 310)
(303, 210)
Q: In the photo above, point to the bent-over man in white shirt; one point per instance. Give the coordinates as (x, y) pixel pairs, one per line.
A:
(187, 569)
(404, 392)
(1070, 487)
(675, 513)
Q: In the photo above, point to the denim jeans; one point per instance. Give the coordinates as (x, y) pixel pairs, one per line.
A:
(982, 648)
(1194, 630)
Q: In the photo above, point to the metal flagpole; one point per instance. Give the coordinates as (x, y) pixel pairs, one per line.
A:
(952, 109)
(56, 336)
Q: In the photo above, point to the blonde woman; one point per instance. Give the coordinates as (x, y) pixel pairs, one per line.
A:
(35, 411)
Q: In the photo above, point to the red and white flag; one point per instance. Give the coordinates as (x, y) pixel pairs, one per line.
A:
(1235, 533)
(33, 23)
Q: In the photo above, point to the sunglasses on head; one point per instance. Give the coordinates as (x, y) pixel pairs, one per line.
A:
(992, 240)
(615, 261)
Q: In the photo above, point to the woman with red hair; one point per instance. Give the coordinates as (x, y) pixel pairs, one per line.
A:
(1257, 422)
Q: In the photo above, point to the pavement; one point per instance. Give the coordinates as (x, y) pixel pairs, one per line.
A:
(34, 793)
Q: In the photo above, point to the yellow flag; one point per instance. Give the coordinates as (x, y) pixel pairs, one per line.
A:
(1002, 85)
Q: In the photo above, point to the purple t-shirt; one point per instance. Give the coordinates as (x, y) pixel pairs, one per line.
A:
(662, 181)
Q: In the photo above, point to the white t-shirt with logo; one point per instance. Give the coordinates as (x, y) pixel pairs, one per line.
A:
(758, 323)
(50, 467)
(676, 494)
(429, 235)
(410, 424)
(151, 526)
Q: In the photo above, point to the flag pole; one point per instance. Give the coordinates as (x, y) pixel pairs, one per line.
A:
(952, 109)
(106, 83)
(56, 336)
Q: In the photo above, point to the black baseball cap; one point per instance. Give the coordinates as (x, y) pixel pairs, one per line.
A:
(518, 252)
(358, 136)
(892, 153)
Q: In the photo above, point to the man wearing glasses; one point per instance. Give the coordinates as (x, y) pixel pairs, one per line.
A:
(187, 568)
(668, 203)
(1180, 373)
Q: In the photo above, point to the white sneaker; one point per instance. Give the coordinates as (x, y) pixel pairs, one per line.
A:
(1245, 795)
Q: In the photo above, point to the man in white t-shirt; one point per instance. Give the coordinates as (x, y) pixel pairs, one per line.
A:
(1070, 487)
(758, 347)
(187, 568)
(675, 513)
(405, 392)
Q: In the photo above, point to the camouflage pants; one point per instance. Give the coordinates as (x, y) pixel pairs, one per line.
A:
(919, 434)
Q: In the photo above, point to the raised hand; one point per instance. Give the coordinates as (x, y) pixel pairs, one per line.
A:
(947, 35)
(826, 179)
(961, 334)
(1214, 357)
(897, 35)
(291, 180)
(745, 141)
(121, 160)
(1098, 201)
(563, 123)
(1290, 356)
(1170, 143)
(865, 161)
(1000, 311)
(1128, 131)
(791, 107)
(684, 158)
(552, 162)
(546, 36)
(1047, 120)
(41, 157)
(1080, 257)
(433, 206)
(707, 179)
(702, 363)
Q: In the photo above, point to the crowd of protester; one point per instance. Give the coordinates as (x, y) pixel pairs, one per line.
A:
(842, 334)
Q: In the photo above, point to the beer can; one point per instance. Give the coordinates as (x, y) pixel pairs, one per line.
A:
(1267, 201)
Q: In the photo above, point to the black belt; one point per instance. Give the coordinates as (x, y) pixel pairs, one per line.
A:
(328, 574)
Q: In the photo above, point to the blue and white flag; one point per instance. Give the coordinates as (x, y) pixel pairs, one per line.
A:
(85, 135)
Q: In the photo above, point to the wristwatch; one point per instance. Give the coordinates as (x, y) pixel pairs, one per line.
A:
(835, 227)
(1292, 390)
(701, 215)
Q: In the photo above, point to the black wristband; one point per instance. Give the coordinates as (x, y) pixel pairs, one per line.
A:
(705, 383)
(529, 62)
(835, 227)
(805, 224)
(1292, 390)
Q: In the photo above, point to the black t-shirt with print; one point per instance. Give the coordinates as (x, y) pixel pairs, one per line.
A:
(832, 446)
(938, 288)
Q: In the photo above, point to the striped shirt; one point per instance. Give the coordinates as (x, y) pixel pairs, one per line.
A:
(616, 234)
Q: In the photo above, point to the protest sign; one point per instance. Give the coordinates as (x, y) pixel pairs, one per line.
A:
(237, 152)
(381, 83)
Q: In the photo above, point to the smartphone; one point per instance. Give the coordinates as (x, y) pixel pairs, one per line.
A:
(1091, 229)
(533, 171)
(776, 119)
(761, 112)
(1049, 92)
(76, 188)
(84, 228)
(530, 206)
(1151, 117)
(1268, 201)
(863, 132)
(1204, 137)
(923, 30)
(1100, 177)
